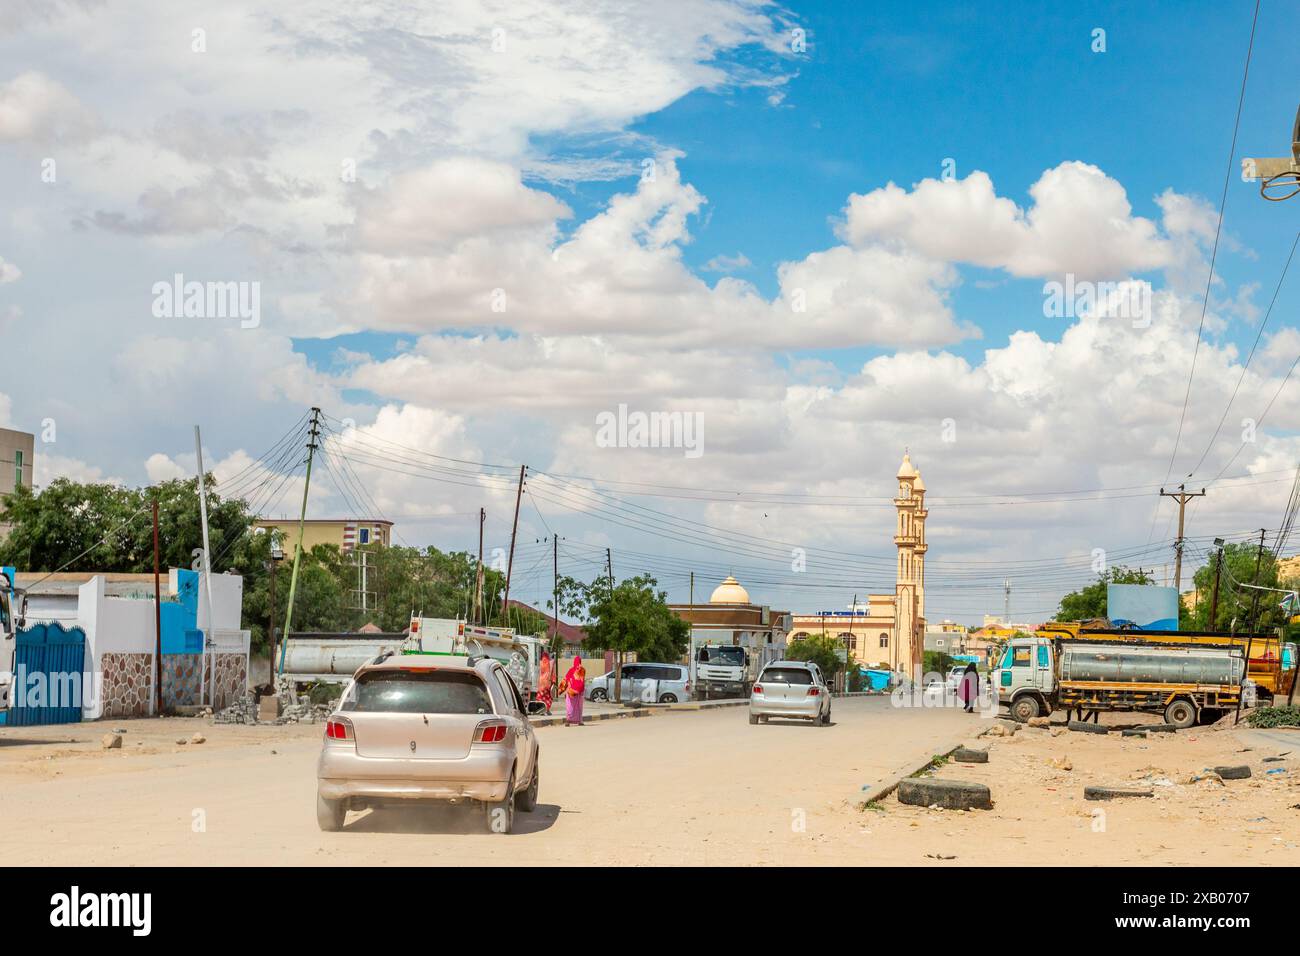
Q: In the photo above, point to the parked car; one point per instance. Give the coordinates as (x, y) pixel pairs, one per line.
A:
(790, 689)
(415, 727)
(646, 682)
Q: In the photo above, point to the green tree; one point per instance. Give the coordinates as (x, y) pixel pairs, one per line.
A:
(634, 617)
(821, 649)
(1235, 600)
(1089, 602)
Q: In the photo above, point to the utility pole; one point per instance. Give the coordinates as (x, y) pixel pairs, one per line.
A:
(312, 434)
(1182, 497)
(555, 587)
(478, 575)
(1250, 636)
(510, 564)
(609, 566)
(1214, 595)
(1006, 602)
(157, 618)
(207, 568)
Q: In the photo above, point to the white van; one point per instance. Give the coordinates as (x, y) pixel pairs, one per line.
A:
(647, 682)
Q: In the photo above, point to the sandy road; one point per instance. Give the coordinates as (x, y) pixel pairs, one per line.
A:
(686, 788)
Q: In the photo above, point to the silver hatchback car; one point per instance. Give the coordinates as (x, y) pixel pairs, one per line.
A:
(428, 727)
(790, 689)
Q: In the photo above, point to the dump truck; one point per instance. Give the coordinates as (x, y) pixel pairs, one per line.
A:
(1271, 668)
(1184, 683)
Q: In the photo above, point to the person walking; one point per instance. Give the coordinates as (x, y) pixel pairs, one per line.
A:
(969, 688)
(573, 688)
(546, 681)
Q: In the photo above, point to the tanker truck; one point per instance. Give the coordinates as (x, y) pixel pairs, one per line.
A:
(1184, 684)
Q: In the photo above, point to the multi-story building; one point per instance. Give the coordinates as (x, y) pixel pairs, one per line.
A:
(17, 450)
(345, 533)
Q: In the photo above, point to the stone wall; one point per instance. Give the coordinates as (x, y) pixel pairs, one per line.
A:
(126, 683)
(180, 680)
(231, 681)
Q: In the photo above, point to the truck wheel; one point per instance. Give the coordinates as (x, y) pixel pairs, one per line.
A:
(1181, 714)
(1025, 708)
(330, 814)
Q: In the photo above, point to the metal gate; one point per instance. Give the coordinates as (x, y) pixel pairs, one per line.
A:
(49, 670)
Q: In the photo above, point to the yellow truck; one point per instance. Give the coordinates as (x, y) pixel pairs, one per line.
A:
(1186, 678)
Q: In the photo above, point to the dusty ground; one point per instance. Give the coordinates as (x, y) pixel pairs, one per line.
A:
(684, 788)
(1041, 817)
(687, 788)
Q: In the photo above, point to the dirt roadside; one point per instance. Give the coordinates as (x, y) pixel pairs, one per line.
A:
(1040, 817)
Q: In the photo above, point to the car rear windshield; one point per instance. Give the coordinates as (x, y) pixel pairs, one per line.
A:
(418, 692)
(788, 675)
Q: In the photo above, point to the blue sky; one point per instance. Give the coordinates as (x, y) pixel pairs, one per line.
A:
(374, 295)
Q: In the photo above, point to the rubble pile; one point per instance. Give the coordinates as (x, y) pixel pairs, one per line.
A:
(242, 711)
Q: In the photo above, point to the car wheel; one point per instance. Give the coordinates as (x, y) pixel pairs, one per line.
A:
(828, 715)
(527, 799)
(330, 814)
(499, 815)
(1181, 714)
(668, 699)
(753, 718)
(599, 694)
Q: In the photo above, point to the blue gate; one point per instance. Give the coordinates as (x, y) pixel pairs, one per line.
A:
(49, 670)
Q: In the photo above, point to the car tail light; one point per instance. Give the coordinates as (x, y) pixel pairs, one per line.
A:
(490, 732)
(339, 729)
(758, 689)
(813, 692)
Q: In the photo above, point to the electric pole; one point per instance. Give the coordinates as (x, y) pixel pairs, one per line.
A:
(510, 564)
(1006, 602)
(312, 434)
(555, 587)
(1182, 497)
(1250, 636)
(478, 575)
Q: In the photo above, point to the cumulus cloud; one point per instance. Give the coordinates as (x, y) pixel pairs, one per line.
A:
(1081, 222)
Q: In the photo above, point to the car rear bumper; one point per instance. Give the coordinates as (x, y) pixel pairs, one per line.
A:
(808, 708)
(341, 773)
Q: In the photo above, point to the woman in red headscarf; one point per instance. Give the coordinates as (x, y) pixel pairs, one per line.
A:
(573, 688)
(545, 680)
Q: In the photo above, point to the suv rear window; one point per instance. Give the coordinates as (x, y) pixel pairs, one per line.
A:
(788, 675)
(418, 692)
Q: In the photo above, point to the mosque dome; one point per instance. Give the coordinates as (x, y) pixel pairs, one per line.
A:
(729, 592)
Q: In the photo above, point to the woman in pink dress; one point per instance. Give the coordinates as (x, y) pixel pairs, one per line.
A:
(545, 681)
(573, 688)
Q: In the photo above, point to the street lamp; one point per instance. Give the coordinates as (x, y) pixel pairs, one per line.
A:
(277, 555)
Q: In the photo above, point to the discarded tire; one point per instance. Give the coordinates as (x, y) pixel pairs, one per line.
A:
(1133, 733)
(970, 755)
(1161, 729)
(1114, 793)
(1233, 773)
(949, 794)
(1081, 727)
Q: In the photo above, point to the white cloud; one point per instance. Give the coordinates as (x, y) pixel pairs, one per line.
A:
(1081, 222)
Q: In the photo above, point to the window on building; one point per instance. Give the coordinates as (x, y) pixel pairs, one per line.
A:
(18, 469)
(363, 535)
(884, 638)
(849, 640)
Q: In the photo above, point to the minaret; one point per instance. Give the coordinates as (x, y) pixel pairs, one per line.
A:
(909, 589)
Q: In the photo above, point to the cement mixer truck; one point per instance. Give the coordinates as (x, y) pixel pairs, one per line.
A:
(1182, 683)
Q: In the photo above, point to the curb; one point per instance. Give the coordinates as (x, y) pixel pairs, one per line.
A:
(882, 790)
(647, 711)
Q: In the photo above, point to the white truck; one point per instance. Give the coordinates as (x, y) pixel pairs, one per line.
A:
(520, 655)
(728, 671)
(12, 610)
